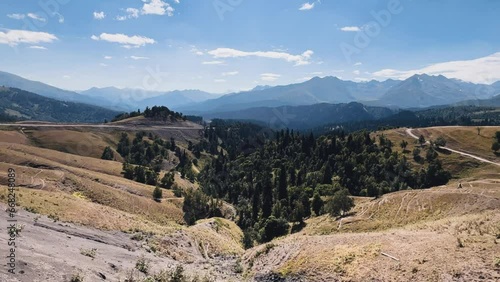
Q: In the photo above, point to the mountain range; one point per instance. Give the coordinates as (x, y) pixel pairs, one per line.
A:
(307, 116)
(418, 91)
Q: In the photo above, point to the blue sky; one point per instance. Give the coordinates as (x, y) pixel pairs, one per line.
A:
(229, 45)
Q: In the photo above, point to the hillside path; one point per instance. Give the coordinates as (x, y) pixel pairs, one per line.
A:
(410, 133)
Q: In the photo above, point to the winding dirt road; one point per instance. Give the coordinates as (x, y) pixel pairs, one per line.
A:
(410, 133)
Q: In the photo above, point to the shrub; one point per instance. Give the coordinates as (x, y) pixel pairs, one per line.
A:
(77, 277)
(89, 252)
(142, 265)
(157, 194)
(107, 154)
(340, 203)
(273, 227)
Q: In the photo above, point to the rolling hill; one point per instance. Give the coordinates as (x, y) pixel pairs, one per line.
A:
(24, 105)
(104, 224)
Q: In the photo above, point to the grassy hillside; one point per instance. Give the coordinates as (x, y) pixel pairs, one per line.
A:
(437, 234)
(466, 139)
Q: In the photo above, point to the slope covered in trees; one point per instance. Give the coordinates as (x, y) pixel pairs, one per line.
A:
(271, 181)
(158, 113)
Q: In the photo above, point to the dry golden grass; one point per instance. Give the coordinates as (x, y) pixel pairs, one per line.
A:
(13, 136)
(459, 166)
(465, 138)
(221, 236)
(21, 154)
(427, 251)
(402, 208)
(71, 208)
(56, 172)
(82, 143)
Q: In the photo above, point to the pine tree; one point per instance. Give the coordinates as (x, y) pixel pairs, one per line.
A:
(317, 204)
(157, 194)
(107, 154)
(267, 196)
(128, 171)
(282, 185)
(167, 180)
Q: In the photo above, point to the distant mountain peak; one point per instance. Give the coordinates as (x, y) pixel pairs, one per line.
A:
(260, 87)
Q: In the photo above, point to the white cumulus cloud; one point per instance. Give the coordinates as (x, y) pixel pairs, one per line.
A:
(99, 15)
(213, 63)
(350, 28)
(269, 76)
(230, 73)
(29, 15)
(14, 37)
(138, 58)
(157, 7)
(306, 6)
(36, 17)
(16, 16)
(480, 70)
(126, 41)
(37, 47)
(302, 59)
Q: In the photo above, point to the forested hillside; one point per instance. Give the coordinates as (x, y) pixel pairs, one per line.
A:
(277, 179)
(441, 116)
(280, 179)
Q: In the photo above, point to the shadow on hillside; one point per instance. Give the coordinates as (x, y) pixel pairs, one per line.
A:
(443, 151)
(297, 227)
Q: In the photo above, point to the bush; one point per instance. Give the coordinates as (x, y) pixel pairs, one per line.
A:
(273, 227)
(440, 141)
(157, 194)
(89, 252)
(197, 205)
(167, 180)
(142, 265)
(77, 277)
(108, 154)
(495, 147)
(416, 154)
(340, 203)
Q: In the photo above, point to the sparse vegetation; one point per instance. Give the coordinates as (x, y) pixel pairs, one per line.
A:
(142, 265)
(89, 252)
(77, 277)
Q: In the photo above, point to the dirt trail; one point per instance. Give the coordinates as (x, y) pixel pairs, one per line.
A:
(410, 133)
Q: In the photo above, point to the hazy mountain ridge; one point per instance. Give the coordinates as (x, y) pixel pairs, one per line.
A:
(15, 81)
(308, 116)
(29, 106)
(426, 91)
(418, 91)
